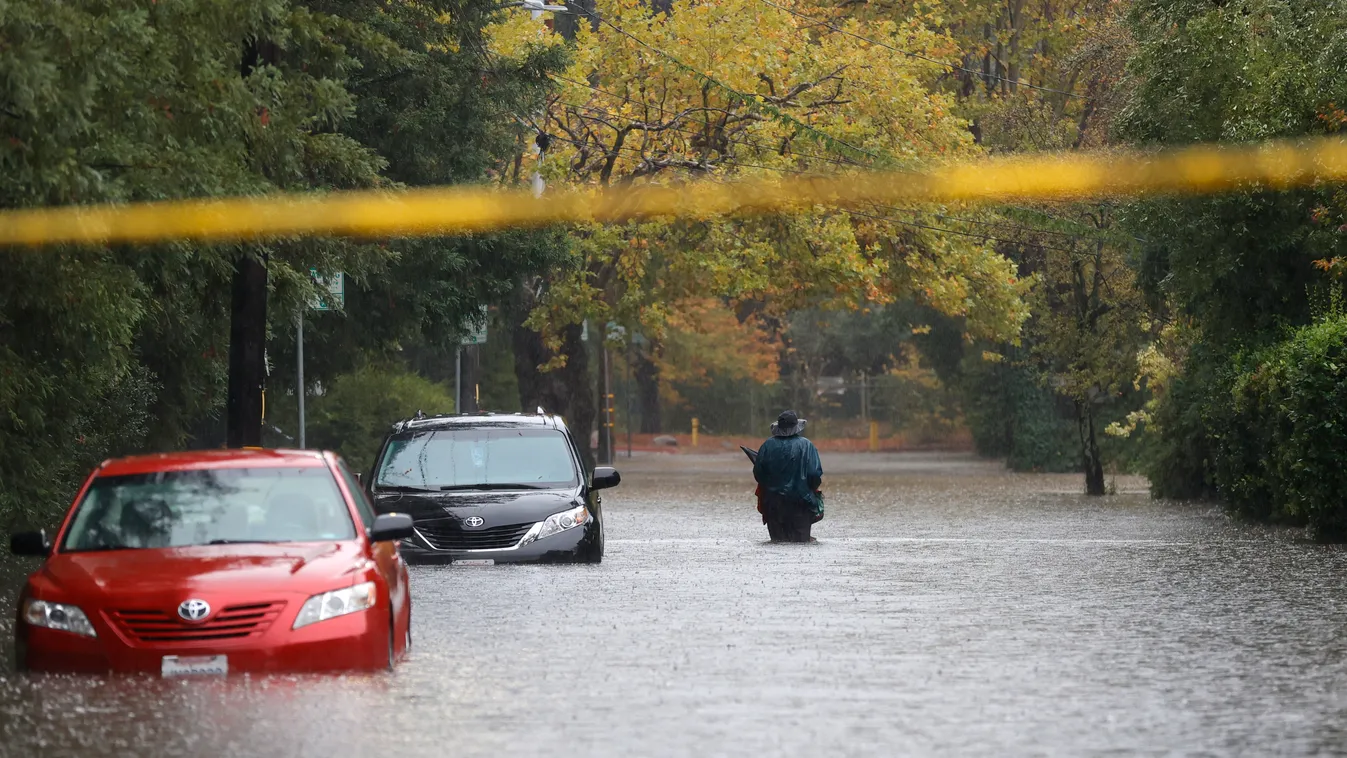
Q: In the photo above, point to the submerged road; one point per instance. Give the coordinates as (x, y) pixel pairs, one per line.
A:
(948, 608)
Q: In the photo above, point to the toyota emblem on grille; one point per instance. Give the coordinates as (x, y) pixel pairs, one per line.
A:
(194, 610)
(473, 521)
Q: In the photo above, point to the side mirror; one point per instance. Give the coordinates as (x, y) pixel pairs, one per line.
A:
(30, 543)
(605, 477)
(391, 526)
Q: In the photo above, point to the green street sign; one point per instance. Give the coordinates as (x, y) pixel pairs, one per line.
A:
(335, 285)
(477, 334)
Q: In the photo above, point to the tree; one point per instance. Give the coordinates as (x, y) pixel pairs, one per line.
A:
(1088, 329)
(106, 350)
(1228, 273)
(738, 88)
(358, 409)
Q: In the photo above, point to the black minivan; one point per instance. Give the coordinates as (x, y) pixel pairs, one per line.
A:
(491, 488)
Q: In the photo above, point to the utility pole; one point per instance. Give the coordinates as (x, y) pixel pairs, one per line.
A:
(607, 406)
(470, 377)
(247, 353)
(865, 397)
(299, 372)
(628, 398)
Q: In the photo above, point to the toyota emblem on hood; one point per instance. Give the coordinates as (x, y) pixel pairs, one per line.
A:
(473, 521)
(194, 610)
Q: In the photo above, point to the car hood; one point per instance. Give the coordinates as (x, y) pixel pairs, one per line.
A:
(495, 508)
(310, 566)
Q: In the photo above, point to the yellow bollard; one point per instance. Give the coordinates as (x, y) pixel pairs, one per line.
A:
(695, 426)
(874, 436)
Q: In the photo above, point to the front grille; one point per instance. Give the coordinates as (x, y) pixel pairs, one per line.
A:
(448, 535)
(233, 622)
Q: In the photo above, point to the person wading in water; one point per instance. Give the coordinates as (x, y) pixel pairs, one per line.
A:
(789, 473)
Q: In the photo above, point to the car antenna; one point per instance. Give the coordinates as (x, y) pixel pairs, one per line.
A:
(419, 414)
(541, 412)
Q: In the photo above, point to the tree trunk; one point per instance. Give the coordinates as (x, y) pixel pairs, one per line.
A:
(245, 401)
(1094, 464)
(646, 374)
(247, 353)
(579, 387)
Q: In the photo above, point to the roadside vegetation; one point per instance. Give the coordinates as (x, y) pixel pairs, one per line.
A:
(1199, 341)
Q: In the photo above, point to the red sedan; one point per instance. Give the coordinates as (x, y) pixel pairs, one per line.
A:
(217, 562)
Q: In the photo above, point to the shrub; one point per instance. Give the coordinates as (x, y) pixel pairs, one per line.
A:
(1278, 452)
(354, 413)
(1012, 415)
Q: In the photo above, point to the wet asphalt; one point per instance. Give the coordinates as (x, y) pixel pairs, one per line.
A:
(949, 608)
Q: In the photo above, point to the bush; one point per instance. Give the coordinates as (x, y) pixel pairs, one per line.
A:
(355, 411)
(1177, 455)
(1012, 415)
(1278, 453)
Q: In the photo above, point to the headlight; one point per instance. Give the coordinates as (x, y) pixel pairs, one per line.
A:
(336, 603)
(560, 522)
(66, 618)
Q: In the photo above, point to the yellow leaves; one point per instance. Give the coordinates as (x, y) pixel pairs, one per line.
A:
(705, 338)
(673, 123)
(517, 33)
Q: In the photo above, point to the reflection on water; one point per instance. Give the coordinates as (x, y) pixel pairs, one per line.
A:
(948, 608)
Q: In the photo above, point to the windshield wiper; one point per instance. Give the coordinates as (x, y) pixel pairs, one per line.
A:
(100, 548)
(403, 488)
(242, 542)
(491, 486)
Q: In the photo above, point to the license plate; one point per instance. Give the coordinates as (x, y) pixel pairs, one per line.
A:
(195, 665)
(476, 562)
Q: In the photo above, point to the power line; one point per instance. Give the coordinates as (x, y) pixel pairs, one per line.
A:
(918, 56)
(943, 230)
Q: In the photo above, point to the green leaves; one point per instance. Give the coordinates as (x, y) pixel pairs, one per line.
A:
(1279, 431)
(107, 351)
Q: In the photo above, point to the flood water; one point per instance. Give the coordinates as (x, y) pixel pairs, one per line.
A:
(948, 608)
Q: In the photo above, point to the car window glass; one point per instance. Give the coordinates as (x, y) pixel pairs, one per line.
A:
(362, 503)
(465, 457)
(200, 507)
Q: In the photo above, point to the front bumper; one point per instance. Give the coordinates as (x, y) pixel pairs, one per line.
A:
(357, 642)
(571, 546)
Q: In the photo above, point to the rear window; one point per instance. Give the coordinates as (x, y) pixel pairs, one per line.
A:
(212, 506)
(466, 458)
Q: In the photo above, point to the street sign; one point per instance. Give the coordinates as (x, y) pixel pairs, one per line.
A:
(335, 285)
(476, 334)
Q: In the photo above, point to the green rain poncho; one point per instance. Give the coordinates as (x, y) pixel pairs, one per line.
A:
(790, 466)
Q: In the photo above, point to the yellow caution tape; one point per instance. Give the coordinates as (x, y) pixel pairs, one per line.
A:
(462, 209)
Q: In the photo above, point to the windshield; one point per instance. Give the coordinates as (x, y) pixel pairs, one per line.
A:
(468, 458)
(212, 506)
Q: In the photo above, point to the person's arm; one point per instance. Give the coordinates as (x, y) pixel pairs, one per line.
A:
(758, 470)
(815, 469)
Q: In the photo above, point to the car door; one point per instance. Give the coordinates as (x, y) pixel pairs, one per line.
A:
(593, 499)
(385, 554)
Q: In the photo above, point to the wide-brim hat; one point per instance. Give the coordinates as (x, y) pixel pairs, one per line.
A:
(788, 424)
